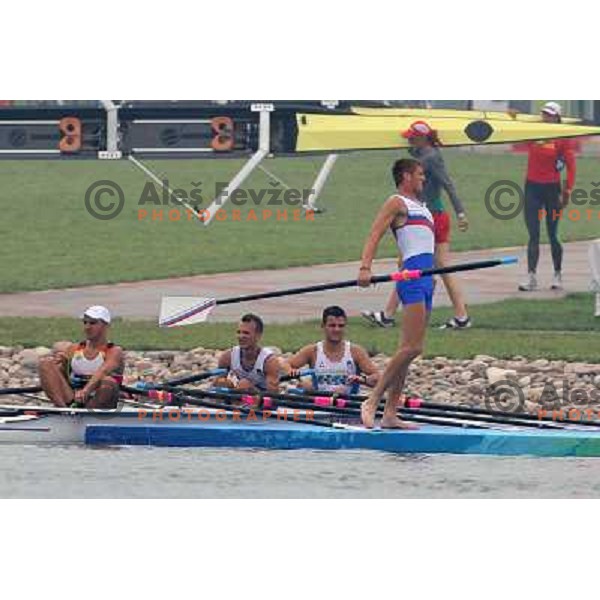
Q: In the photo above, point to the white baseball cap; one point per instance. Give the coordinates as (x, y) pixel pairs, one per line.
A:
(97, 312)
(552, 108)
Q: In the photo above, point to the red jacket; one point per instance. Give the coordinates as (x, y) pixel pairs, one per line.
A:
(543, 157)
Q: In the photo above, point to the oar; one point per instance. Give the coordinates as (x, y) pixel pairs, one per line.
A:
(419, 403)
(22, 390)
(196, 400)
(332, 403)
(179, 381)
(293, 402)
(148, 385)
(185, 310)
(194, 378)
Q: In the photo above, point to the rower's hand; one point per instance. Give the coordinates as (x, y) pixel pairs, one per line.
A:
(463, 222)
(81, 396)
(339, 389)
(564, 198)
(352, 379)
(294, 373)
(364, 277)
(59, 357)
(245, 385)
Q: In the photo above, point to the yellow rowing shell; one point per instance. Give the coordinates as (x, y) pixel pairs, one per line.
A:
(381, 129)
(425, 113)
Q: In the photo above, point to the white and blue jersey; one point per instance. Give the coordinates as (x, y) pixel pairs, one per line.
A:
(416, 243)
(256, 375)
(329, 376)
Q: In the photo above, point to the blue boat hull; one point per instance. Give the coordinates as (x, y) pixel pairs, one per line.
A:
(294, 436)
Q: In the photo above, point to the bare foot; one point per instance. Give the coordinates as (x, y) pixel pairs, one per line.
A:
(394, 422)
(367, 412)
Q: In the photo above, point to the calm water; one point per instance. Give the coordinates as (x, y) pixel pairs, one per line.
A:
(82, 472)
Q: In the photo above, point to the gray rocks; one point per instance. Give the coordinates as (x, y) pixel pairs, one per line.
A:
(538, 383)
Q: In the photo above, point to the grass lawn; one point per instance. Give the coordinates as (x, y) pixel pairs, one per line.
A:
(49, 240)
(553, 329)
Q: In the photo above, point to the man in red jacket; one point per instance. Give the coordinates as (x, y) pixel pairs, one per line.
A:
(545, 197)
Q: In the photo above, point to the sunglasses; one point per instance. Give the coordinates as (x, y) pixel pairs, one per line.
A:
(91, 321)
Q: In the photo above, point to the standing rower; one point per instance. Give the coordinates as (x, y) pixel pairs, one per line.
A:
(425, 147)
(251, 368)
(87, 373)
(338, 365)
(411, 223)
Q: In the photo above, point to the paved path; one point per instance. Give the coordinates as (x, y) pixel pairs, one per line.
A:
(141, 300)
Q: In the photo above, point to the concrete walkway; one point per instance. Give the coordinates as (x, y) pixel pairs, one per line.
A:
(141, 300)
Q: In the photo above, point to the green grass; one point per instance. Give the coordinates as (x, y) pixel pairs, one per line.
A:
(50, 241)
(553, 329)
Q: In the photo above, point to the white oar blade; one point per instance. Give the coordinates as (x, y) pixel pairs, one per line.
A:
(177, 311)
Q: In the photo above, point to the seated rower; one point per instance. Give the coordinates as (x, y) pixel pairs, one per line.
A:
(88, 373)
(338, 365)
(251, 368)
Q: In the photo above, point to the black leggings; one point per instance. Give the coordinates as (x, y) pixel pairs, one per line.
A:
(542, 197)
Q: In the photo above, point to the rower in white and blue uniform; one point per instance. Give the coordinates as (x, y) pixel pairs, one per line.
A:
(336, 364)
(250, 367)
(411, 223)
(415, 241)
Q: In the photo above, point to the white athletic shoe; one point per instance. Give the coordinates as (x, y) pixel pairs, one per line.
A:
(378, 318)
(557, 282)
(530, 285)
(455, 323)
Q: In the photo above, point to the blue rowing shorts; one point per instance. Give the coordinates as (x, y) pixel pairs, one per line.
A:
(417, 290)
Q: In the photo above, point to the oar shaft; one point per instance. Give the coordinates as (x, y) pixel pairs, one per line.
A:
(482, 264)
(269, 414)
(440, 410)
(194, 378)
(283, 400)
(471, 266)
(21, 390)
(308, 289)
(417, 403)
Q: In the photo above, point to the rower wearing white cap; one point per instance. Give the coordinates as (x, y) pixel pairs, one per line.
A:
(87, 373)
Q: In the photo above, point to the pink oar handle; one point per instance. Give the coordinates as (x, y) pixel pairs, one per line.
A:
(413, 402)
(250, 400)
(326, 401)
(160, 395)
(406, 275)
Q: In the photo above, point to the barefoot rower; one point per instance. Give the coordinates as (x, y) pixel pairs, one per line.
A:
(251, 368)
(87, 373)
(338, 365)
(411, 223)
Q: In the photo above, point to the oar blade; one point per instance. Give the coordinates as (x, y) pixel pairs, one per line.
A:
(178, 311)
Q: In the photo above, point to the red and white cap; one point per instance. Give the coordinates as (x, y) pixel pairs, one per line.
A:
(100, 313)
(552, 108)
(417, 129)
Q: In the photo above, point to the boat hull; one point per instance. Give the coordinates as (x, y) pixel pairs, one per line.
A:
(291, 436)
(210, 429)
